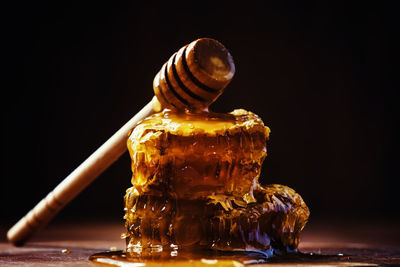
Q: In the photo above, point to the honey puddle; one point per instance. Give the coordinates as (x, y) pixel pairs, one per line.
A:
(221, 258)
(181, 258)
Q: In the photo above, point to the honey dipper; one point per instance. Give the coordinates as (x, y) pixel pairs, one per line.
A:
(192, 79)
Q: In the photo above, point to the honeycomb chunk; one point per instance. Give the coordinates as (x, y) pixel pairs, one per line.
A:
(193, 154)
(195, 184)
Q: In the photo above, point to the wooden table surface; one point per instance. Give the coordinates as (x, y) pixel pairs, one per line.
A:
(360, 243)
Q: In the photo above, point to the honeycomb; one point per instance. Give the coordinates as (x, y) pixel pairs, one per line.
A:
(195, 185)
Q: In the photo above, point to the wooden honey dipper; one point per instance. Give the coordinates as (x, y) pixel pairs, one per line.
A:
(192, 79)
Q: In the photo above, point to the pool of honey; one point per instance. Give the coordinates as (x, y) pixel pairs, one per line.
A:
(181, 258)
(210, 258)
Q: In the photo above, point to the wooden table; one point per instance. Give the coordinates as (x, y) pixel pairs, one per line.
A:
(358, 242)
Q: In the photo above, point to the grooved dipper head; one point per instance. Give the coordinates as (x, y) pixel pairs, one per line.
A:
(195, 76)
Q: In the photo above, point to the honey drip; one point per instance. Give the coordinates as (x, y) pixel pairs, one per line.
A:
(195, 185)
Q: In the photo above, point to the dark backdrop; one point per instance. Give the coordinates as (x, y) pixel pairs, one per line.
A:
(321, 75)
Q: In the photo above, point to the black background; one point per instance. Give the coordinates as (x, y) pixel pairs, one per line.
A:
(321, 75)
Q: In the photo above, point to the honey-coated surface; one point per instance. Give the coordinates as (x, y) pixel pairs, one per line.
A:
(195, 185)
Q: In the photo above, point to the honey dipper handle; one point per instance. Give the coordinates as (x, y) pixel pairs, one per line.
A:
(74, 183)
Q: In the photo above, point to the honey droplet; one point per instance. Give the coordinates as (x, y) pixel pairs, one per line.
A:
(65, 251)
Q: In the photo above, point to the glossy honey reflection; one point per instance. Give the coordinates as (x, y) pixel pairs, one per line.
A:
(210, 258)
(195, 185)
(174, 258)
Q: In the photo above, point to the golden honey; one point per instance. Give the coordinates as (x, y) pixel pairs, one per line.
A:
(195, 186)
